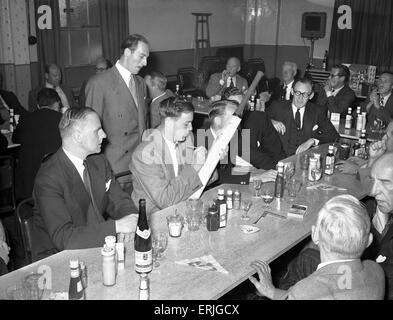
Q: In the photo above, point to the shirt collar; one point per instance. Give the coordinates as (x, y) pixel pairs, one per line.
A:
(78, 162)
(337, 90)
(171, 145)
(214, 134)
(125, 74)
(49, 85)
(289, 85)
(385, 98)
(323, 264)
(301, 110)
(158, 97)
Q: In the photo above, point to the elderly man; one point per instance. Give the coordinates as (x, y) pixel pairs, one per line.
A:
(379, 105)
(336, 96)
(301, 124)
(118, 96)
(342, 233)
(218, 82)
(53, 81)
(75, 191)
(164, 166)
(156, 85)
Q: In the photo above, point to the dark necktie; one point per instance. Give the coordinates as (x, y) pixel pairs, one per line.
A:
(388, 225)
(284, 93)
(231, 85)
(382, 102)
(297, 119)
(131, 86)
(87, 183)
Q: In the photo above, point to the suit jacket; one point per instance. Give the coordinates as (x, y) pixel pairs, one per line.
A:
(3, 144)
(64, 218)
(265, 144)
(385, 113)
(315, 123)
(12, 101)
(154, 177)
(38, 133)
(154, 115)
(339, 103)
(366, 282)
(34, 93)
(122, 120)
(215, 88)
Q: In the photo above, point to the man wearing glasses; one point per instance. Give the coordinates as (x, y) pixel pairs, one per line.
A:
(336, 96)
(300, 123)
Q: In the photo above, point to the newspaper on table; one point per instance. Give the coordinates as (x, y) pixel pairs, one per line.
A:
(213, 156)
(205, 263)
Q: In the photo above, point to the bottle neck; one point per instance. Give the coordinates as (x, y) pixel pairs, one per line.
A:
(74, 273)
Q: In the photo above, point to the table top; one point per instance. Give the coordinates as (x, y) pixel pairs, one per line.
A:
(232, 249)
(354, 134)
(201, 107)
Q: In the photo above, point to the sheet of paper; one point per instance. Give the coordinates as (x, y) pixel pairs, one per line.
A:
(241, 162)
(213, 156)
(207, 263)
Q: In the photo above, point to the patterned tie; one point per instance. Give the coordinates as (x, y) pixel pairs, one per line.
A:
(297, 119)
(231, 85)
(87, 183)
(284, 93)
(388, 225)
(131, 86)
(382, 102)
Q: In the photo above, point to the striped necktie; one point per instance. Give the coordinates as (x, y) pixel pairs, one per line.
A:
(131, 86)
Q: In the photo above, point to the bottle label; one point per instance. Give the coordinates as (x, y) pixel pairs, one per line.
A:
(145, 234)
(143, 261)
(348, 122)
(143, 294)
(79, 286)
(329, 168)
(223, 215)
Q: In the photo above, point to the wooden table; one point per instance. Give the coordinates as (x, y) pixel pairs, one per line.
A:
(353, 134)
(233, 249)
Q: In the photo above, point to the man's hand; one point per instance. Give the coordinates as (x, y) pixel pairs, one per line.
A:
(4, 252)
(265, 283)
(375, 99)
(279, 126)
(224, 76)
(126, 224)
(268, 176)
(377, 149)
(328, 88)
(348, 167)
(265, 96)
(199, 158)
(305, 146)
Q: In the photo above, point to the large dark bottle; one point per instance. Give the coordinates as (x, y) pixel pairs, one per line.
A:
(325, 61)
(142, 243)
(75, 291)
(279, 186)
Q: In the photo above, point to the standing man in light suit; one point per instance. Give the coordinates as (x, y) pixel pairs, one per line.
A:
(118, 96)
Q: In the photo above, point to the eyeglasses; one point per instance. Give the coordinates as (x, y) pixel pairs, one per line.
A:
(305, 95)
(335, 75)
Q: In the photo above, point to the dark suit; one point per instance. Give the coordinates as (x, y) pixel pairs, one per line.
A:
(38, 133)
(215, 88)
(384, 113)
(34, 93)
(12, 101)
(122, 120)
(265, 144)
(64, 217)
(154, 115)
(339, 103)
(315, 123)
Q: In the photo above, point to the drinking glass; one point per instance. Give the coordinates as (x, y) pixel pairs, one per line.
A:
(257, 186)
(33, 285)
(289, 170)
(304, 161)
(316, 174)
(159, 244)
(268, 193)
(245, 206)
(16, 292)
(293, 187)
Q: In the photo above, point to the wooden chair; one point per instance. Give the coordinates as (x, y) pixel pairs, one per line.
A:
(186, 79)
(24, 216)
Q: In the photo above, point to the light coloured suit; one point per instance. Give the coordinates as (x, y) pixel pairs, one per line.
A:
(350, 280)
(215, 88)
(154, 176)
(154, 110)
(122, 120)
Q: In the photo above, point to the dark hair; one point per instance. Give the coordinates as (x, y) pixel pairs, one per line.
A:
(47, 67)
(304, 81)
(386, 72)
(47, 97)
(71, 117)
(344, 71)
(231, 91)
(160, 79)
(218, 108)
(174, 107)
(131, 42)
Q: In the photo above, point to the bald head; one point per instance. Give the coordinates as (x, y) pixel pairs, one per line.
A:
(233, 66)
(382, 189)
(53, 74)
(385, 83)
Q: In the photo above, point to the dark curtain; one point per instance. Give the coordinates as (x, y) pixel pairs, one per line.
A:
(369, 41)
(48, 40)
(114, 27)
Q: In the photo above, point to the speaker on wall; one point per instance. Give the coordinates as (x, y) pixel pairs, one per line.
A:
(313, 25)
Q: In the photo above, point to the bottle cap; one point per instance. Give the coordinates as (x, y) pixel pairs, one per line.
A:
(280, 164)
(142, 201)
(363, 130)
(110, 240)
(237, 192)
(74, 264)
(229, 192)
(317, 155)
(82, 265)
(331, 148)
(313, 160)
(221, 191)
(107, 251)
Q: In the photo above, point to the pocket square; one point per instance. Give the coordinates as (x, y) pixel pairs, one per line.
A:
(107, 185)
(315, 127)
(380, 259)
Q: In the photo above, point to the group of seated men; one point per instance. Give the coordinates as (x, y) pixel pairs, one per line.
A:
(79, 201)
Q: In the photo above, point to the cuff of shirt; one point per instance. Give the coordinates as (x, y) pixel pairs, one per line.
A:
(329, 94)
(316, 142)
(221, 82)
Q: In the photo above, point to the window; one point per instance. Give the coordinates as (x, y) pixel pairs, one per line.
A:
(80, 32)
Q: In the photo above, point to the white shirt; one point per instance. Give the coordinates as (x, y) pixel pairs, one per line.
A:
(233, 80)
(157, 97)
(288, 90)
(294, 109)
(385, 99)
(63, 97)
(331, 93)
(77, 162)
(172, 149)
(379, 220)
(125, 74)
(334, 261)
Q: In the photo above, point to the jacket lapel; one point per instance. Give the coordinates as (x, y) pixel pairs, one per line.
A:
(97, 185)
(121, 87)
(308, 121)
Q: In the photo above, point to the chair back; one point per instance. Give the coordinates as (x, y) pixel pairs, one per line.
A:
(186, 79)
(24, 216)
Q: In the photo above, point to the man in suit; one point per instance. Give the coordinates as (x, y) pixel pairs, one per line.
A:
(53, 81)
(301, 124)
(102, 65)
(165, 165)
(156, 85)
(118, 96)
(38, 134)
(379, 105)
(75, 191)
(336, 95)
(218, 82)
(342, 233)
(284, 91)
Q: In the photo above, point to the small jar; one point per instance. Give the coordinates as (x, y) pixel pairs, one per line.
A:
(175, 225)
(236, 200)
(213, 219)
(110, 241)
(229, 199)
(108, 266)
